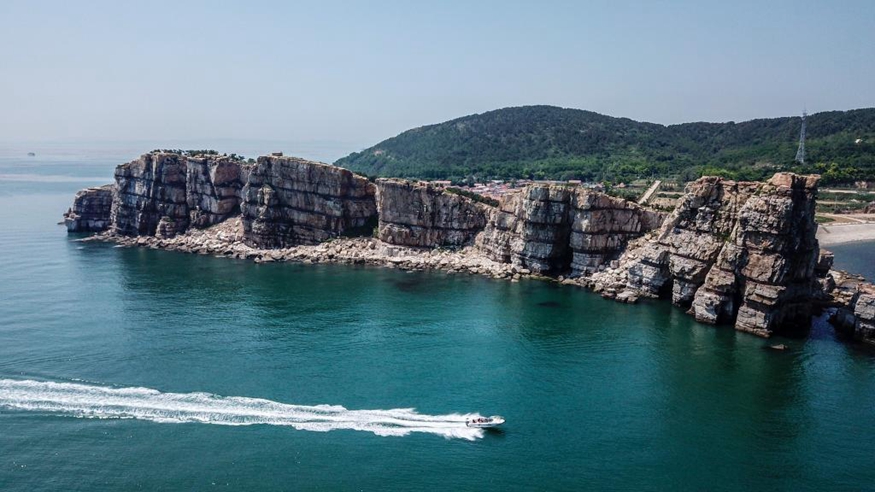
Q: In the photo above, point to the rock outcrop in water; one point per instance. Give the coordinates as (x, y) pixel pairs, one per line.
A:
(741, 253)
(557, 228)
(731, 252)
(91, 210)
(768, 262)
(418, 214)
(289, 201)
(858, 318)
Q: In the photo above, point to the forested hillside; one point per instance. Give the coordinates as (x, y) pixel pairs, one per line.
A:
(546, 142)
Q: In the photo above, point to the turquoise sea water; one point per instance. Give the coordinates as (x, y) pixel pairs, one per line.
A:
(106, 355)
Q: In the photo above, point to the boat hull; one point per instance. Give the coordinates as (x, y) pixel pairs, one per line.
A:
(486, 424)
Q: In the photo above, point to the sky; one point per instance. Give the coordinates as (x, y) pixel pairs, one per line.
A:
(355, 73)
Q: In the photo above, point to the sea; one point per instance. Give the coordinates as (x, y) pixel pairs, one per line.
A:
(133, 369)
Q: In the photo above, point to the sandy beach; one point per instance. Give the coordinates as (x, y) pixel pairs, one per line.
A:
(829, 234)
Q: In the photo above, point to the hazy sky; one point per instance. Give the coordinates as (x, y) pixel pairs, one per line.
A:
(359, 72)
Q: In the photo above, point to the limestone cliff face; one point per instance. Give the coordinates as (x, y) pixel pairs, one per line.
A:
(555, 228)
(148, 189)
(289, 201)
(765, 272)
(743, 253)
(859, 317)
(690, 239)
(731, 252)
(419, 214)
(854, 302)
(176, 191)
(214, 188)
(601, 225)
(531, 229)
(90, 211)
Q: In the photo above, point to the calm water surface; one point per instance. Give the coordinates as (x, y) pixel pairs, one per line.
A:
(597, 395)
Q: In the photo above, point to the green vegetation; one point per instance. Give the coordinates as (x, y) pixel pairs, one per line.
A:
(829, 201)
(203, 152)
(546, 142)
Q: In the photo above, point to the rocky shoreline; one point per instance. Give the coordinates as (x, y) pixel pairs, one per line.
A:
(225, 240)
(737, 253)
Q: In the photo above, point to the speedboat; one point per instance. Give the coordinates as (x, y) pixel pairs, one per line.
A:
(485, 422)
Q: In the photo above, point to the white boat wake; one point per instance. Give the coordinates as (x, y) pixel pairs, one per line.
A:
(87, 401)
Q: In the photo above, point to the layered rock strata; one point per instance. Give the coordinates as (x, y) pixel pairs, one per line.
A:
(765, 272)
(531, 229)
(421, 215)
(175, 191)
(556, 228)
(689, 241)
(289, 201)
(147, 190)
(857, 318)
(91, 210)
(214, 188)
(741, 253)
(601, 225)
(731, 252)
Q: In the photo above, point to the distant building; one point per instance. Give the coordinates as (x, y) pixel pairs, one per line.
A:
(443, 183)
(276, 154)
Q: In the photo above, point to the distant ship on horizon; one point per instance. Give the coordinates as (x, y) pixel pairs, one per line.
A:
(31, 154)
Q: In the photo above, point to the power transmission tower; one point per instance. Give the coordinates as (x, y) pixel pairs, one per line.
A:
(800, 154)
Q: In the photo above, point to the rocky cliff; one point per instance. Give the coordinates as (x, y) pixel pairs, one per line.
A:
(741, 253)
(213, 188)
(147, 190)
(289, 201)
(556, 228)
(90, 211)
(731, 252)
(602, 225)
(164, 193)
(857, 318)
(765, 270)
(418, 214)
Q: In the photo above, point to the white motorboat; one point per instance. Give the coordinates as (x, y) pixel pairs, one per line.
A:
(485, 422)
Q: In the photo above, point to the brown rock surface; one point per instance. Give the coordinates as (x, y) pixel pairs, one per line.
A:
(554, 228)
(214, 188)
(768, 263)
(148, 189)
(857, 317)
(91, 210)
(531, 229)
(289, 201)
(601, 225)
(743, 253)
(185, 190)
(419, 214)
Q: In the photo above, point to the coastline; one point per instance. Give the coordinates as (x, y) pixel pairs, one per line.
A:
(226, 240)
(829, 235)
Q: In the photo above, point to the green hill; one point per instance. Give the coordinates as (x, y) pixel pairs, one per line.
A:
(547, 142)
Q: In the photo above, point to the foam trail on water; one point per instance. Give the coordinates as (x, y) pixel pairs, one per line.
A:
(81, 400)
